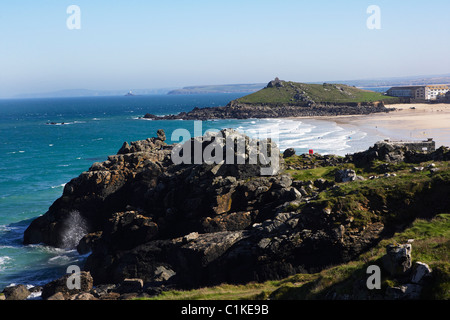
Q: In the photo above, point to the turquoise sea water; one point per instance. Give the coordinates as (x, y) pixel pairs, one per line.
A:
(37, 159)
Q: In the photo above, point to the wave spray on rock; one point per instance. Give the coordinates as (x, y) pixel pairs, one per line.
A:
(75, 228)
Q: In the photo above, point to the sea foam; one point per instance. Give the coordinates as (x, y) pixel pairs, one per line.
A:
(4, 261)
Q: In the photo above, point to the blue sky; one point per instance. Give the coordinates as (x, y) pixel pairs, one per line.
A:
(157, 44)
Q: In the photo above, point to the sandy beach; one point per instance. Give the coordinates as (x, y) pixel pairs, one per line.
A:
(407, 122)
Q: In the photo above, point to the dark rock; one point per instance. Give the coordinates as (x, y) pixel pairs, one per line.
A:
(163, 274)
(161, 135)
(322, 184)
(288, 153)
(383, 151)
(102, 291)
(110, 296)
(60, 285)
(404, 292)
(18, 292)
(152, 290)
(282, 182)
(56, 296)
(142, 176)
(397, 260)
(275, 83)
(86, 243)
(82, 297)
(345, 175)
(395, 153)
(421, 271)
(130, 285)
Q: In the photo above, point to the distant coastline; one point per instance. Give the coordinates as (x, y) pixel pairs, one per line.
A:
(371, 84)
(228, 88)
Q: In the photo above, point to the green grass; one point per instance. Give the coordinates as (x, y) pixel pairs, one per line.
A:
(326, 173)
(251, 291)
(319, 93)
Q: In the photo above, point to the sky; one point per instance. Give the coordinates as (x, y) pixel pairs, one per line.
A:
(143, 44)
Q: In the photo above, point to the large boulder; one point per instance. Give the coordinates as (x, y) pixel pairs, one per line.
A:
(289, 152)
(408, 291)
(17, 292)
(60, 286)
(383, 151)
(421, 271)
(345, 175)
(397, 260)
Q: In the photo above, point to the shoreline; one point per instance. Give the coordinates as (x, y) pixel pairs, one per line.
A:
(423, 122)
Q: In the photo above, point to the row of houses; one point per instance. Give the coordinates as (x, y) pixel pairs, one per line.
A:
(422, 93)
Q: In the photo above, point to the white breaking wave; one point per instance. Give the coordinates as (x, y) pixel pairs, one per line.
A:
(59, 186)
(323, 136)
(60, 260)
(5, 260)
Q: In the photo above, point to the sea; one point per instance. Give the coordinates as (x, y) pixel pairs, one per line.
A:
(49, 141)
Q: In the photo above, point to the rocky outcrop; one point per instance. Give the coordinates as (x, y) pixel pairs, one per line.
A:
(60, 287)
(108, 187)
(391, 153)
(236, 110)
(346, 175)
(17, 292)
(142, 216)
(397, 260)
(289, 152)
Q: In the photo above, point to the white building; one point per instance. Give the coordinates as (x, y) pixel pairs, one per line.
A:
(430, 92)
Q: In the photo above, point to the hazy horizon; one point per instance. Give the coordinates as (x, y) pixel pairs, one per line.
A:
(152, 45)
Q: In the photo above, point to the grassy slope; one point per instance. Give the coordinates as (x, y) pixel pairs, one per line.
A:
(326, 93)
(431, 245)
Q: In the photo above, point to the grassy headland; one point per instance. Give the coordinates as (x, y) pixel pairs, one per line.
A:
(289, 93)
(282, 99)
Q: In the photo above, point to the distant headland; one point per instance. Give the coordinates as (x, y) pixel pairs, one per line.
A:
(279, 99)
